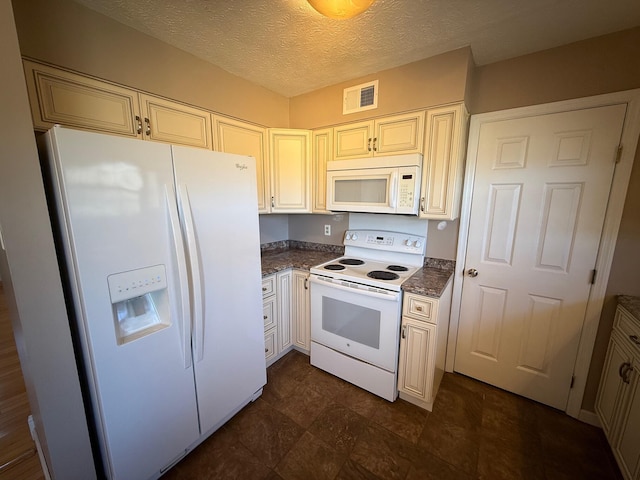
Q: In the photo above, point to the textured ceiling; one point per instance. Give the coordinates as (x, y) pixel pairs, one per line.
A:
(287, 47)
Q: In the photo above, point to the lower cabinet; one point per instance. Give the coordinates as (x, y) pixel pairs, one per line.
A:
(618, 400)
(283, 293)
(300, 313)
(285, 301)
(423, 340)
(270, 317)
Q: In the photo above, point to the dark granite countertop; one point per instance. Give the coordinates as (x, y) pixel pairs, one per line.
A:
(276, 261)
(632, 304)
(431, 280)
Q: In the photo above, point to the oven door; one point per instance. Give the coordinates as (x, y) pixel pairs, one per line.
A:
(351, 319)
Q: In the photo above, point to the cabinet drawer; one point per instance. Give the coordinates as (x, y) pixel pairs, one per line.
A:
(269, 312)
(419, 307)
(628, 328)
(268, 286)
(270, 344)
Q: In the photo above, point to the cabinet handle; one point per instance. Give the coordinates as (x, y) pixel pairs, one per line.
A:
(264, 289)
(266, 350)
(404, 331)
(419, 308)
(139, 125)
(369, 145)
(626, 378)
(264, 317)
(374, 144)
(306, 284)
(624, 371)
(634, 339)
(273, 202)
(148, 124)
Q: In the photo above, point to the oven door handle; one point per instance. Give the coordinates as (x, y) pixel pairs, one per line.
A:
(391, 296)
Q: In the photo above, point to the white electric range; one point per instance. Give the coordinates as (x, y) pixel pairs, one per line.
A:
(356, 303)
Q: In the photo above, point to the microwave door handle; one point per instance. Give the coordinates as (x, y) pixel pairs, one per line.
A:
(394, 190)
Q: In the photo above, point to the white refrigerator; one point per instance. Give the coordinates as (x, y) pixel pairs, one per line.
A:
(161, 248)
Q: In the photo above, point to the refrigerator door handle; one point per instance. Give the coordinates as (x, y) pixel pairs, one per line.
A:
(182, 277)
(194, 263)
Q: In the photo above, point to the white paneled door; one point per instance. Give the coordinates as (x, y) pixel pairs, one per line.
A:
(539, 199)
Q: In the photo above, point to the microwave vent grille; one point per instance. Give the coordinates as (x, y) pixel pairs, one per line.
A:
(360, 97)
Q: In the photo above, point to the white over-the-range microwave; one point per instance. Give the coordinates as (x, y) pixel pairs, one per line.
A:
(375, 185)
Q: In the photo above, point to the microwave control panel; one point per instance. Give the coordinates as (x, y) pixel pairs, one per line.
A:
(408, 189)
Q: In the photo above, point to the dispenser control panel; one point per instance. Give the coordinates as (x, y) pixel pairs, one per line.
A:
(135, 283)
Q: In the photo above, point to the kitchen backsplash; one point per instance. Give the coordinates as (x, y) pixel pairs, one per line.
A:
(441, 240)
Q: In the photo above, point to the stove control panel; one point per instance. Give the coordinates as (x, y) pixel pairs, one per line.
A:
(385, 240)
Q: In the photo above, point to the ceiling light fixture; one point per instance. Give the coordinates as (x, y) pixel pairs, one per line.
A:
(340, 9)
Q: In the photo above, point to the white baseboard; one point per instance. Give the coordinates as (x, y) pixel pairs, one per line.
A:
(589, 417)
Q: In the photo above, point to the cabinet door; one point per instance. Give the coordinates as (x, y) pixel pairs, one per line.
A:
(353, 140)
(612, 385)
(322, 148)
(270, 345)
(416, 368)
(300, 313)
(285, 339)
(232, 136)
(290, 156)
(78, 101)
(269, 312)
(399, 134)
(627, 446)
(176, 123)
(442, 169)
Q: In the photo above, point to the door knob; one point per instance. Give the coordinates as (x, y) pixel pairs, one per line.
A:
(472, 272)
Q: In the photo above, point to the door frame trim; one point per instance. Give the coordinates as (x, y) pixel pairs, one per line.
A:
(613, 217)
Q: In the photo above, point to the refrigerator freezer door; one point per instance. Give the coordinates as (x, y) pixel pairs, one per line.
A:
(116, 217)
(218, 205)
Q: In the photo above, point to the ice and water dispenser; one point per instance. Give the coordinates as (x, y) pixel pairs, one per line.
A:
(140, 302)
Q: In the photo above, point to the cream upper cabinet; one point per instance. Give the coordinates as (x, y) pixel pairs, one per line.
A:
(78, 101)
(443, 164)
(396, 135)
(290, 159)
(322, 144)
(176, 123)
(233, 136)
(353, 140)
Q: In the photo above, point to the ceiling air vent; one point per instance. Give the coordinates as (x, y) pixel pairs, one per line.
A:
(361, 97)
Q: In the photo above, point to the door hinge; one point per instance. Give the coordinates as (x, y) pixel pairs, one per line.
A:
(619, 154)
(573, 380)
(594, 272)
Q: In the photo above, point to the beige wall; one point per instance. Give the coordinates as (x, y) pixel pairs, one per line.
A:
(591, 67)
(67, 34)
(432, 81)
(310, 228)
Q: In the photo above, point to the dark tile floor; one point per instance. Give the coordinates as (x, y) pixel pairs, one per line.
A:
(311, 425)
